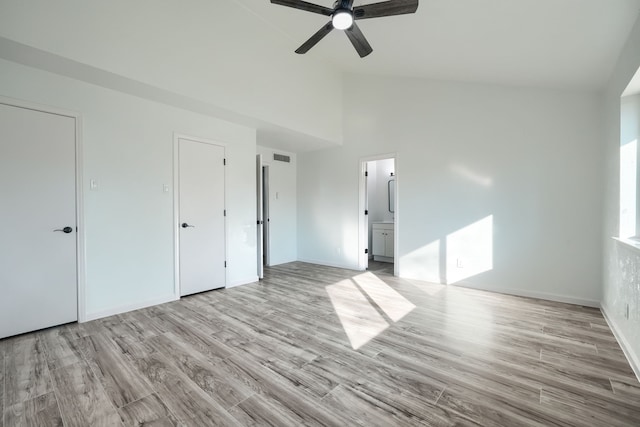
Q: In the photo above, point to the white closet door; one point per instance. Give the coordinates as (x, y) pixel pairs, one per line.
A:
(38, 279)
(202, 222)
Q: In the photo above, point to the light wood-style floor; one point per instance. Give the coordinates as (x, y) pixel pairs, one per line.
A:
(314, 345)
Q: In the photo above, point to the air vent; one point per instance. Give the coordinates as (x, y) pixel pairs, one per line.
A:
(281, 158)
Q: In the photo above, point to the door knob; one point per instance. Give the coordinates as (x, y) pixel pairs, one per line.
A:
(66, 230)
(185, 225)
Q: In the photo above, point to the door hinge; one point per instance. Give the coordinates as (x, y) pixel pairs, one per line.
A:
(366, 173)
(225, 212)
(224, 162)
(225, 264)
(366, 251)
(366, 212)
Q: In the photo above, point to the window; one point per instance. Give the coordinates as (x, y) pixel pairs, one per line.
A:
(629, 176)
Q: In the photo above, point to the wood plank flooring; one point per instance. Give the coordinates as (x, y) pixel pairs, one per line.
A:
(320, 346)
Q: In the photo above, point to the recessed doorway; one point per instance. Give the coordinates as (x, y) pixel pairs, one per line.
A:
(378, 213)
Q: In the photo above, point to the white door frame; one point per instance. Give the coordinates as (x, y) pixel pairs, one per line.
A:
(260, 218)
(80, 235)
(265, 194)
(363, 232)
(176, 206)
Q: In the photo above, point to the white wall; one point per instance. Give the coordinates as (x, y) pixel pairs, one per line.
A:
(128, 150)
(283, 242)
(621, 262)
(195, 48)
(526, 161)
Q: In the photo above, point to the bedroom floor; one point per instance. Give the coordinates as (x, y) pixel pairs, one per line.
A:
(313, 345)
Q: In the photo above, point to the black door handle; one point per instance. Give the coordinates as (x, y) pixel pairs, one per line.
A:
(185, 225)
(66, 230)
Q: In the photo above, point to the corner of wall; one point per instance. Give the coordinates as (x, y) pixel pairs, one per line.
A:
(627, 348)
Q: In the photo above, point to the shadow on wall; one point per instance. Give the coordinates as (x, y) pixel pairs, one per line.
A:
(462, 254)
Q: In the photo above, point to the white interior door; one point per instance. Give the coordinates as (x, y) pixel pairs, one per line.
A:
(260, 222)
(202, 244)
(38, 278)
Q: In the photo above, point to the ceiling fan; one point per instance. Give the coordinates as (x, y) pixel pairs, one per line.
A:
(343, 17)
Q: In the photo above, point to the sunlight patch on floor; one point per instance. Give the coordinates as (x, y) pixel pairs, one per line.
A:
(388, 299)
(360, 321)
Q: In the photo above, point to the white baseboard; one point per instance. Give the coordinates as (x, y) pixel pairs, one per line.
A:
(529, 294)
(129, 307)
(280, 262)
(253, 279)
(632, 357)
(330, 264)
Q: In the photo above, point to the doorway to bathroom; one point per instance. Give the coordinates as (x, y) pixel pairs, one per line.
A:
(378, 214)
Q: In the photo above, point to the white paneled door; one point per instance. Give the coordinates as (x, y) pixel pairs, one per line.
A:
(202, 244)
(260, 215)
(38, 278)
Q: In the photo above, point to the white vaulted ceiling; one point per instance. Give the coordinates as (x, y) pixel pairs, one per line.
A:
(551, 43)
(235, 59)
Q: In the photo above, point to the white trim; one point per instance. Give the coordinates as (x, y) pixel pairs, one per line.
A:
(266, 230)
(627, 349)
(176, 206)
(331, 264)
(80, 234)
(362, 223)
(362, 233)
(176, 217)
(529, 294)
(285, 261)
(38, 107)
(129, 307)
(631, 244)
(248, 281)
(260, 219)
(81, 278)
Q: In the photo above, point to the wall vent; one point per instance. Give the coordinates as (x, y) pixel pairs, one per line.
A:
(281, 158)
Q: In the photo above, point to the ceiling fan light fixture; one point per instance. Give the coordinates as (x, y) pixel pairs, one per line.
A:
(342, 19)
(343, 16)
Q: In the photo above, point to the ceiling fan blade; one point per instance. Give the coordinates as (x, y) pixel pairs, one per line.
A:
(358, 40)
(385, 8)
(303, 5)
(322, 32)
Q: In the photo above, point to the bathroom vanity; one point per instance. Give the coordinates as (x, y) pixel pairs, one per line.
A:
(382, 236)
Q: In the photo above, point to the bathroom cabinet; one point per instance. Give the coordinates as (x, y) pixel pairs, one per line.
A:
(382, 236)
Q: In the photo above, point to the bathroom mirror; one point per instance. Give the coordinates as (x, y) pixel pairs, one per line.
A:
(392, 194)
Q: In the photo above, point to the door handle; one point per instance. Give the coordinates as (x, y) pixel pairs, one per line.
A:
(65, 230)
(185, 225)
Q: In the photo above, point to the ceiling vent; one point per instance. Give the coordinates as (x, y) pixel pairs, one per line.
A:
(281, 158)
